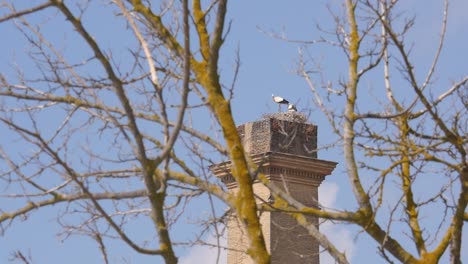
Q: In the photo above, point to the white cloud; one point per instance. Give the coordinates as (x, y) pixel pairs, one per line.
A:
(206, 254)
(327, 194)
(338, 235)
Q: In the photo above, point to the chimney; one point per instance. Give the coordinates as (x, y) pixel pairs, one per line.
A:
(284, 146)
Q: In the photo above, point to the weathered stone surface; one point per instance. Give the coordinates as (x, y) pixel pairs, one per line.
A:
(282, 133)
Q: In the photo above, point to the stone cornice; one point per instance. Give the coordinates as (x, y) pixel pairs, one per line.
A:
(281, 166)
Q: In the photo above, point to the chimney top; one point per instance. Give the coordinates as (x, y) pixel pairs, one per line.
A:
(286, 132)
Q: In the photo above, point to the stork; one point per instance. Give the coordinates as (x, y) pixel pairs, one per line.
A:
(292, 108)
(279, 100)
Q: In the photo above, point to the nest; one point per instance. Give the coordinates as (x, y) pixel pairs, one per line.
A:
(287, 116)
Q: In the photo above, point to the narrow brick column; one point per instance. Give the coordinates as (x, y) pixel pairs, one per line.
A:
(284, 147)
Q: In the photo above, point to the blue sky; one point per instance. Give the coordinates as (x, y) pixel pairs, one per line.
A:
(267, 66)
(268, 63)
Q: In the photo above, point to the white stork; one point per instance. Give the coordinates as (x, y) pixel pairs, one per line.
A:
(292, 108)
(279, 100)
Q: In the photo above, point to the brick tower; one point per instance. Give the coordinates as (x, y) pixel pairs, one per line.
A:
(284, 147)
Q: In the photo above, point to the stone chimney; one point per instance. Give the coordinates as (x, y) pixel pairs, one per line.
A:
(284, 146)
